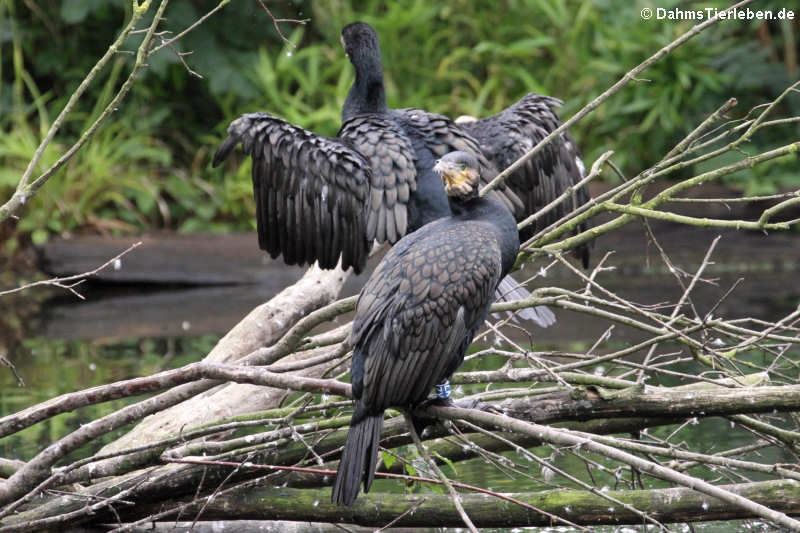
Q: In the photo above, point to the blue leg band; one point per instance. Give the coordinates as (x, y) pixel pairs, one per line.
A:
(443, 390)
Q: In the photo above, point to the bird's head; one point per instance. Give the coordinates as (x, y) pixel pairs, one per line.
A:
(359, 39)
(460, 174)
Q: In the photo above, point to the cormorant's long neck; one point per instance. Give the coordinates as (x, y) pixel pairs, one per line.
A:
(470, 207)
(367, 94)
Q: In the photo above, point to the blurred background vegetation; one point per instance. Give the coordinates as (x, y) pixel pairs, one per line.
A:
(149, 166)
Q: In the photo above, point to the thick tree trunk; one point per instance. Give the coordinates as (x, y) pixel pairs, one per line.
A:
(576, 506)
(248, 526)
(170, 481)
(201, 404)
(697, 399)
(262, 327)
(252, 526)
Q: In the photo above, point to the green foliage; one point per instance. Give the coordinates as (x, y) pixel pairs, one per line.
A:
(473, 58)
(388, 459)
(149, 166)
(288, 82)
(447, 461)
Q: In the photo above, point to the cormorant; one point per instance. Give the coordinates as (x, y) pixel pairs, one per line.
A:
(323, 199)
(420, 310)
(320, 199)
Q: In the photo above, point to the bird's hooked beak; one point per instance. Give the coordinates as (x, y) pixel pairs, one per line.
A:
(455, 176)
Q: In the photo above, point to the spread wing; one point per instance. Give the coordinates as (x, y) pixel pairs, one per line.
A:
(394, 176)
(442, 135)
(310, 191)
(419, 311)
(507, 136)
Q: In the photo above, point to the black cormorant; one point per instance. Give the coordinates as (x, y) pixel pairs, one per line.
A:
(320, 199)
(326, 199)
(420, 310)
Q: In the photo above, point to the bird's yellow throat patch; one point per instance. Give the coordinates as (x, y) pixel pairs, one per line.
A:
(460, 183)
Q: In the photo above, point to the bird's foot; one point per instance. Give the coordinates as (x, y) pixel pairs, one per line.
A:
(437, 401)
(422, 422)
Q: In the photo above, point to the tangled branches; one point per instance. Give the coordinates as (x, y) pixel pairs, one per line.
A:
(595, 432)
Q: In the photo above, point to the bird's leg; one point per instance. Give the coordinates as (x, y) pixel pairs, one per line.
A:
(443, 390)
(442, 398)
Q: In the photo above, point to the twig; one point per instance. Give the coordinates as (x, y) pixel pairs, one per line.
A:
(714, 117)
(566, 438)
(410, 510)
(162, 380)
(445, 481)
(647, 208)
(4, 361)
(138, 12)
(198, 22)
(533, 457)
(330, 473)
(61, 282)
(591, 106)
(26, 190)
(695, 221)
(772, 211)
(276, 21)
(595, 171)
(737, 199)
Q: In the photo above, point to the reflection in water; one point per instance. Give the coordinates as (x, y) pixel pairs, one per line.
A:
(52, 367)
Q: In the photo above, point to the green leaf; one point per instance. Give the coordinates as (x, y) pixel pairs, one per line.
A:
(388, 459)
(447, 461)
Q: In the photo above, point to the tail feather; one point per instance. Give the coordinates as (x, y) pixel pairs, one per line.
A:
(509, 290)
(359, 458)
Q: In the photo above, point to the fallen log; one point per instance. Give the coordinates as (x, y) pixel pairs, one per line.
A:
(411, 510)
(178, 258)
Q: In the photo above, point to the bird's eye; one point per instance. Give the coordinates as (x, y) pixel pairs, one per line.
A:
(463, 166)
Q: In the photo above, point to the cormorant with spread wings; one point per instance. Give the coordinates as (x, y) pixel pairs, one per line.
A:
(327, 199)
(319, 199)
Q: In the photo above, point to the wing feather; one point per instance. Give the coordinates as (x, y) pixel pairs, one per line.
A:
(507, 136)
(306, 187)
(442, 135)
(390, 154)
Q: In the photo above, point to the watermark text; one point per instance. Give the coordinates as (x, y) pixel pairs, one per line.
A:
(675, 13)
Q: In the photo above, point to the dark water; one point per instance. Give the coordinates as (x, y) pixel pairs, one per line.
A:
(60, 344)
